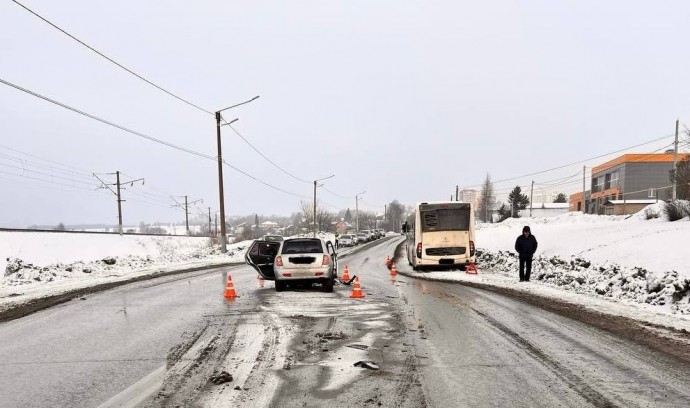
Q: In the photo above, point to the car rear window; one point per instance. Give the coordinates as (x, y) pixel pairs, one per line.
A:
(306, 246)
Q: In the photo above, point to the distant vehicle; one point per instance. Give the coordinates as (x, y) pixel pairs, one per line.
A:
(355, 239)
(368, 234)
(346, 240)
(362, 237)
(274, 238)
(296, 260)
(442, 234)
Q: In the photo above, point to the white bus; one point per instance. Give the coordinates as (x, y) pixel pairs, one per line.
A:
(442, 235)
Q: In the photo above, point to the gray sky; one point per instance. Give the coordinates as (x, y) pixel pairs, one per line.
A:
(402, 99)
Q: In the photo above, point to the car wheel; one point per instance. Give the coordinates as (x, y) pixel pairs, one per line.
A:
(327, 286)
(280, 286)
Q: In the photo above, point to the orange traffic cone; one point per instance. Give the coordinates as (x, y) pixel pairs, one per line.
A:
(261, 281)
(388, 261)
(357, 290)
(394, 271)
(346, 274)
(471, 269)
(230, 289)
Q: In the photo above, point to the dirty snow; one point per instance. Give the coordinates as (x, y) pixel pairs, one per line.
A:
(39, 264)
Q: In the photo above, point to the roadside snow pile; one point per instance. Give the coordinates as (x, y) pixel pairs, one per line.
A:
(610, 280)
(41, 258)
(656, 244)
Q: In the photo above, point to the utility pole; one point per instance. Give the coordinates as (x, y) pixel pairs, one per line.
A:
(675, 161)
(215, 221)
(118, 193)
(223, 244)
(210, 231)
(385, 214)
(531, 194)
(457, 192)
(315, 181)
(357, 208)
(185, 207)
(119, 203)
(584, 196)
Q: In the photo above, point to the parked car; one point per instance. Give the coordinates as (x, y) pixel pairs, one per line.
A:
(296, 260)
(274, 238)
(346, 240)
(355, 239)
(362, 237)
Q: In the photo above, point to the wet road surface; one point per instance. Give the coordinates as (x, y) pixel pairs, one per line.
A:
(157, 343)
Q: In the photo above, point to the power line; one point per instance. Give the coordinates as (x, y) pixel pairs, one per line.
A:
(576, 162)
(147, 137)
(107, 122)
(112, 60)
(264, 156)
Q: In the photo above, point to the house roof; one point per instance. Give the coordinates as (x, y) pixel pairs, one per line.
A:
(621, 202)
(639, 158)
(551, 206)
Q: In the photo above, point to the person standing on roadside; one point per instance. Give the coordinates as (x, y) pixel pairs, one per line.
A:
(526, 246)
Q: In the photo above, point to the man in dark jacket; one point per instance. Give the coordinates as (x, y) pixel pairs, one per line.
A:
(526, 246)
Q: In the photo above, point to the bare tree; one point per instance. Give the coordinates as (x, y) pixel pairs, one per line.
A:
(395, 216)
(487, 200)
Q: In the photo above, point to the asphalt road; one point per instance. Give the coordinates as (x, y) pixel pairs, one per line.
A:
(158, 343)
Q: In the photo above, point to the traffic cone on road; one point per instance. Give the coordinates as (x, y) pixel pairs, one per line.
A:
(346, 274)
(357, 290)
(230, 289)
(394, 271)
(388, 261)
(471, 269)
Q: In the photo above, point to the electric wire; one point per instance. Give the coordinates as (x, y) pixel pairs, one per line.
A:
(112, 60)
(576, 162)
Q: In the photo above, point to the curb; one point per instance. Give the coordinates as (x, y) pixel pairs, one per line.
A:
(35, 305)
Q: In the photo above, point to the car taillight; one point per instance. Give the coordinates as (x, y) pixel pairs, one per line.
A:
(279, 261)
(471, 248)
(419, 250)
(326, 260)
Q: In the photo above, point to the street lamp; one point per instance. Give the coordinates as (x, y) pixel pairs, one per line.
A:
(325, 178)
(223, 244)
(357, 207)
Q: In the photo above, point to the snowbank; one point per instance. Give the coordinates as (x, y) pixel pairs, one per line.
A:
(655, 245)
(40, 264)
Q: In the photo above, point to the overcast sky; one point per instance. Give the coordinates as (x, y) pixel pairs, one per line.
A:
(403, 99)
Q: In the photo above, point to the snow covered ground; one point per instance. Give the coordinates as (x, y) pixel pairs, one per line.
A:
(39, 264)
(629, 266)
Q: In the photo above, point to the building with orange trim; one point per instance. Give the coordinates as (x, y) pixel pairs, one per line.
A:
(630, 181)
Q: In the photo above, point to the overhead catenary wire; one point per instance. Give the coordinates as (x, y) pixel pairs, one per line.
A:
(112, 60)
(147, 137)
(575, 162)
(159, 87)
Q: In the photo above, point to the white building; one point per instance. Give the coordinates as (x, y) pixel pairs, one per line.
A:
(546, 210)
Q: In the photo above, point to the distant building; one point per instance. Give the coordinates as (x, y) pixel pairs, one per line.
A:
(546, 210)
(469, 196)
(631, 177)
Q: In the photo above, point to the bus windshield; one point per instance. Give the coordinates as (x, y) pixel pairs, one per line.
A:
(445, 219)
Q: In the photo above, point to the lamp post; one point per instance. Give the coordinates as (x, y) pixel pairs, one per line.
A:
(223, 244)
(325, 178)
(357, 208)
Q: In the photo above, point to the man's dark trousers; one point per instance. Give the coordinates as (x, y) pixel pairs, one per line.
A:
(524, 275)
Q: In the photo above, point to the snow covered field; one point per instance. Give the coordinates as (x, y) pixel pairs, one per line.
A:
(39, 264)
(624, 265)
